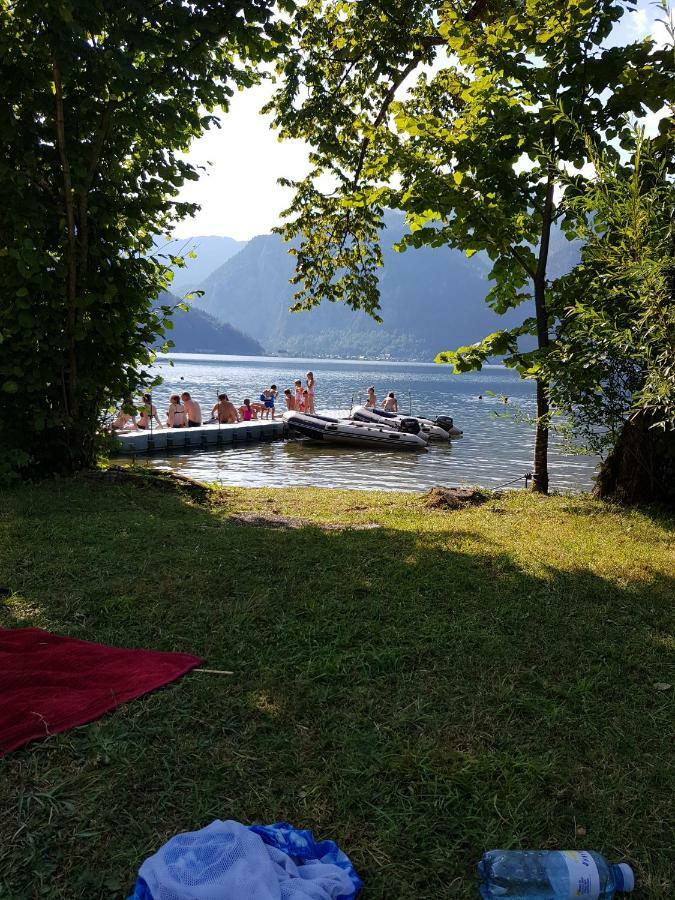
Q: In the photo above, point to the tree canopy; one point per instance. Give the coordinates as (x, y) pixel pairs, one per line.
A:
(98, 102)
(611, 367)
(474, 149)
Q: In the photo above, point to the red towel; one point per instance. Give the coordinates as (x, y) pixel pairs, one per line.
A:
(50, 683)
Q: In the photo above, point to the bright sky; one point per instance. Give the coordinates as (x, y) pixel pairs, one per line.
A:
(239, 195)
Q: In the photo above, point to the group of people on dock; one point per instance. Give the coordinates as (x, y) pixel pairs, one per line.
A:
(299, 398)
(185, 412)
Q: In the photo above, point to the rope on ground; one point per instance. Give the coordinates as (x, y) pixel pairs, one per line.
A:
(527, 476)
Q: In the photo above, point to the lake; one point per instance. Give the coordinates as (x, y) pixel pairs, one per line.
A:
(496, 446)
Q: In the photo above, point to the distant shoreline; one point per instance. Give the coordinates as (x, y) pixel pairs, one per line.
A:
(227, 357)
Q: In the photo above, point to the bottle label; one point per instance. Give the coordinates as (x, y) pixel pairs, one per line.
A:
(584, 878)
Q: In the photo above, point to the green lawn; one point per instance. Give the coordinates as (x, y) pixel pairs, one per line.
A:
(447, 683)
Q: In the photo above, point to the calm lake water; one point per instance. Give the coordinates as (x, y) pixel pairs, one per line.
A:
(495, 448)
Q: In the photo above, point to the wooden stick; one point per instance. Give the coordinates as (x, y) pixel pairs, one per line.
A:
(214, 671)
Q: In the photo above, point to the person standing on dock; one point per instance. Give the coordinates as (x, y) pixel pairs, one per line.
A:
(270, 395)
(147, 413)
(192, 409)
(310, 392)
(225, 411)
(298, 394)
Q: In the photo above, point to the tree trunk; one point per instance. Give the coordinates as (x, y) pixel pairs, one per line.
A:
(69, 380)
(540, 471)
(641, 466)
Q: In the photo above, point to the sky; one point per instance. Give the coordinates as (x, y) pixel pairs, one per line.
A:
(239, 195)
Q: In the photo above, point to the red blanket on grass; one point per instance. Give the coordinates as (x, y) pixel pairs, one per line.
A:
(50, 683)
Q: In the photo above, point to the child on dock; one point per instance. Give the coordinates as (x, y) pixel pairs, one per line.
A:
(310, 392)
(290, 400)
(247, 412)
(298, 394)
(267, 399)
(265, 406)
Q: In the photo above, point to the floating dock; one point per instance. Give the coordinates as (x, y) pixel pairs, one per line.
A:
(181, 439)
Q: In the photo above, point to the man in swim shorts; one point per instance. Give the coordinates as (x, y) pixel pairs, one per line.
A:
(192, 409)
(225, 410)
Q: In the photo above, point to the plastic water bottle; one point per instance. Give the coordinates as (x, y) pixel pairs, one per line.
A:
(551, 875)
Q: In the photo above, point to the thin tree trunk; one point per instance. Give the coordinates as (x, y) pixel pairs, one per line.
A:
(71, 246)
(97, 145)
(540, 472)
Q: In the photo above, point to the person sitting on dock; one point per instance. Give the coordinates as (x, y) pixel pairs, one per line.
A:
(390, 403)
(123, 421)
(247, 412)
(192, 409)
(225, 411)
(290, 399)
(147, 412)
(175, 414)
(371, 402)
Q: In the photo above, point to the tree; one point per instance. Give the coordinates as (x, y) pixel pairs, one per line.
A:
(474, 153)
(98, 101)
(611, 367)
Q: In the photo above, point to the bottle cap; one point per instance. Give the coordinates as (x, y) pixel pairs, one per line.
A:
(627, 879)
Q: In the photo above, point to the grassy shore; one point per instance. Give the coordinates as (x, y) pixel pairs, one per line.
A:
(442, 684)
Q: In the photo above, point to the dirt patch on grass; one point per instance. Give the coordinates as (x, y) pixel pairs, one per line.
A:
(276, 521)
(456, 498)
(159, 480)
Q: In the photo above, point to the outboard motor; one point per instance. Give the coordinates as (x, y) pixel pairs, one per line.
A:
(444, 422)
(410, 426)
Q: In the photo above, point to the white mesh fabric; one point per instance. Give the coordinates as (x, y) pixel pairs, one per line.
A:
(222, 861)
(226, 861)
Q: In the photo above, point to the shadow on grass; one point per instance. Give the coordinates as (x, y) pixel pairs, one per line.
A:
(416, 696)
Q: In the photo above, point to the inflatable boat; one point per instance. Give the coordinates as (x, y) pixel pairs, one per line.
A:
(439, 430)
(355, 434)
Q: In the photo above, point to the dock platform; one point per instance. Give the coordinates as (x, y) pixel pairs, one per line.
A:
(181, 439)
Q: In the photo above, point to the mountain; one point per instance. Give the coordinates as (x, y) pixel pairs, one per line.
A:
(431, 299)
(195, 331)
(211, 251)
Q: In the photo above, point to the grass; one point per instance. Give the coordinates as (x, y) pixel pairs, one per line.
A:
(446, 683)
